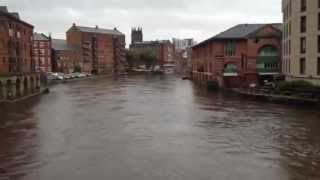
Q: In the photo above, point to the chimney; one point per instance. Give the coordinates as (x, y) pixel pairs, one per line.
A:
(74, 24)
(115, 29)
(97, 27)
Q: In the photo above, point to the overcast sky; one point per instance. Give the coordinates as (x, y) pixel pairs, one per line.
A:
(160, 19)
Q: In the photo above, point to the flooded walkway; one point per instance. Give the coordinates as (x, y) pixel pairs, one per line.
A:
(155, 128)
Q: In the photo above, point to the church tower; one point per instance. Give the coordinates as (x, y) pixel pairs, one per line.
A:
(136, 35)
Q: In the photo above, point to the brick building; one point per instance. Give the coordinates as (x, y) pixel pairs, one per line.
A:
(242, 55)
(66, 57)
(17, 68)
(103, 50)
(165, 50)
(42, 52)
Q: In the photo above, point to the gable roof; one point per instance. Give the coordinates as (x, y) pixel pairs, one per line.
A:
(40, 37)
(62, 45)
(12, 15)
(241, 31)
(98, 30)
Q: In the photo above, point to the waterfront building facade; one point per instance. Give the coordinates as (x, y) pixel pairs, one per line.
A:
(183, 44)
(164, 49)
(42, 52)
(18, 77)
(301, 40)
(183, 48)
(67, 58)
(103, 50)
(240, 56)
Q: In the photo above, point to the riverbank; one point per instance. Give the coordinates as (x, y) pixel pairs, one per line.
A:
(295, 100)
(42, 91)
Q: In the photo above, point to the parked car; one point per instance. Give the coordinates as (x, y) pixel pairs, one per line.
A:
(67, 76)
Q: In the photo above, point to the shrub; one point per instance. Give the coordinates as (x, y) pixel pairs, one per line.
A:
(213, 85)
(295, 86)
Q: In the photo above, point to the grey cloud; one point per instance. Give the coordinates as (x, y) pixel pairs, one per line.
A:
(162, 19)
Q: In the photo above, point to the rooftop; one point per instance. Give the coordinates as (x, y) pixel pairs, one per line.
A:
(62, 45)
(12, 15)
(40, 37)
(241, 31)
(98, 30)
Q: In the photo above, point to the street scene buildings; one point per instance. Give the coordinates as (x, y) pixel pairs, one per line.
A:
(243, 103)
(242, 55)
(67, 58)
(103, 50)
(164, 49)
(42, 52)
(301, 40)
(183, 55)
(18, 76)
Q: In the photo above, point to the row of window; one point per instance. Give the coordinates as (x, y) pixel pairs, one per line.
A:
(5, 60)
(303, 66)
(303, 45)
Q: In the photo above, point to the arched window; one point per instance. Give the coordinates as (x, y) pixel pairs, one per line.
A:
(268, 60)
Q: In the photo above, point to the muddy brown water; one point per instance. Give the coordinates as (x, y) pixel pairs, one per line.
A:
(155, 128)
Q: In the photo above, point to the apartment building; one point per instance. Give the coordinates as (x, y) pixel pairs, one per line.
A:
(18, 77)
(301, 40)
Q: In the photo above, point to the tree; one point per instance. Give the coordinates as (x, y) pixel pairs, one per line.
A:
(143, 56)
(77, 69)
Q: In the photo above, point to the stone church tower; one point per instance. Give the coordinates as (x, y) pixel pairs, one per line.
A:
(136, 35)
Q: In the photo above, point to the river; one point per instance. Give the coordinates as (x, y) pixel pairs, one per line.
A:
(155, 128)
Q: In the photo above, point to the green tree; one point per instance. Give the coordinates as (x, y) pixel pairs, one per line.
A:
(145, 56)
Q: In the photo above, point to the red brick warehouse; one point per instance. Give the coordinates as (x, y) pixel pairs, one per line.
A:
(103, 50)
(17, 67)
(42, 52)
(239, 56)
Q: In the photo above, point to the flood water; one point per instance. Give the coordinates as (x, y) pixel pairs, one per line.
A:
(155, 128)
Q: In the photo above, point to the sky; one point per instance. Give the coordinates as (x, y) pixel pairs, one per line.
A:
(160, 19)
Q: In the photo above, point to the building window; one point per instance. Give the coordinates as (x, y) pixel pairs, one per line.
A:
(230, 49)
(303, 5)
(318, 67)
(302, 66)
(319, 19)
(303, 24)
(318, 44)
(303, 45)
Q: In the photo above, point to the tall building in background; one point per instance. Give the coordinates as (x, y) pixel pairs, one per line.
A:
(164, 49)
(103, 50)
(42, 52)
(17, 69)
(136, 35)
(301, 40)
(183, 55)
(183, 44)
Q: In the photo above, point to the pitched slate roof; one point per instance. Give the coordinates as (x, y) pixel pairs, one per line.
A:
(15, 14)
(241, 31)
(40, 37)
(62, 45)
(12, 15)
(99, 30)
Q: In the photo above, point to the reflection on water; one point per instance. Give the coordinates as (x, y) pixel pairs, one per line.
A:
(148, 127)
